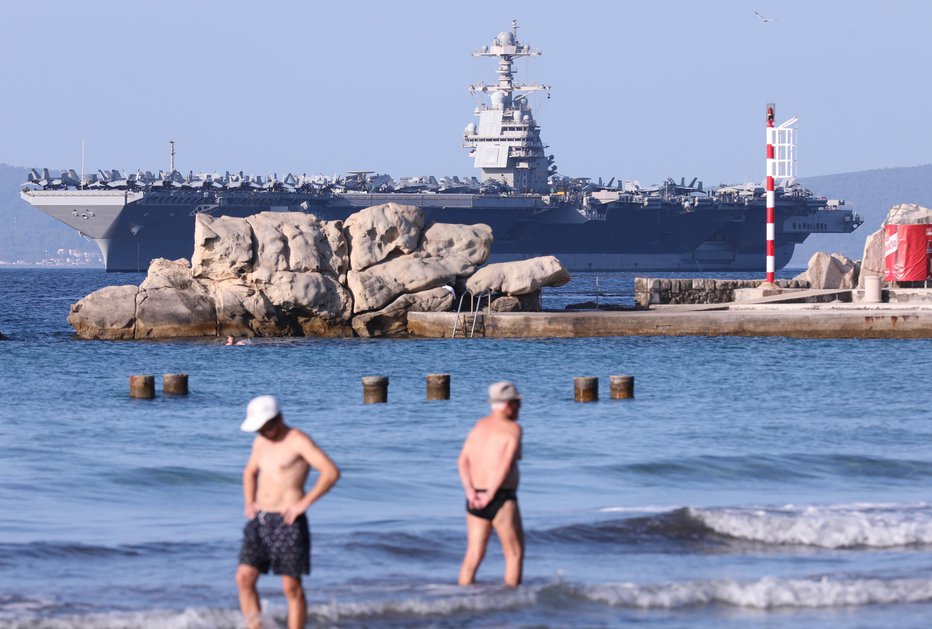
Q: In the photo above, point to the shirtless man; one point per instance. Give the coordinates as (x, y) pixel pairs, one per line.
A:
(276, 535)
(488, 468)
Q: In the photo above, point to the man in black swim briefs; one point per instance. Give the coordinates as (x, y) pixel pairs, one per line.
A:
(488, 466)
(276, 535)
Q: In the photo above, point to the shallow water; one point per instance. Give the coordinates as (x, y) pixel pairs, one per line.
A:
(771, 481)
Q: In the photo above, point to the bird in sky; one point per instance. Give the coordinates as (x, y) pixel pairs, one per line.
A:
(765, 19)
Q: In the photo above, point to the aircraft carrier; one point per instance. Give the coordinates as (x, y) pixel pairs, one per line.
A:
(533, 210)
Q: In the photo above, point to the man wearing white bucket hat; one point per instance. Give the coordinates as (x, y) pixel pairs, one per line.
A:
(276, 535)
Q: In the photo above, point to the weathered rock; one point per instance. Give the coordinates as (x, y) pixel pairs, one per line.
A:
(291, 241)
(517, 303)
(472, 242)
(244, 311)
(108, 313)
(223, 247)
(393, 319)
(169, 274)
(378, 285)
(872, 262)
(172, 312)
(305, 295)
(377, 232)
(520, 277)
(831, 271)
(906, 213)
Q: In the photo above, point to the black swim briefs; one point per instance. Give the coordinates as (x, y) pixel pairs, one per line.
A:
(488, 512)
(270, 543)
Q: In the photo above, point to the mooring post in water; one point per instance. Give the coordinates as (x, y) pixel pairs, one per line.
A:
(175, 384)
(622, 387)
(586, 389)
(771, 197)
(142, 387)
(438, 386)
(374, 389)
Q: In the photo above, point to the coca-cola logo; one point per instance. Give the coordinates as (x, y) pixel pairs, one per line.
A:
(890, 245)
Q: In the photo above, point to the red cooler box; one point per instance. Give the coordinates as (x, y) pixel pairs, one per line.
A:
(905, 253)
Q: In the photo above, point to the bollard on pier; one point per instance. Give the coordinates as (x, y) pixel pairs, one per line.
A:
(438, 386)
(142, 387)
(175, 384)
(622, 387)
(586, 389)
(374, 389)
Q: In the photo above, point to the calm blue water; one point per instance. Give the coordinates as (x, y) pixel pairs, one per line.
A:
(773, 482)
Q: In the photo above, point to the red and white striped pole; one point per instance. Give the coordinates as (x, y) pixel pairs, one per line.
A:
(771, 197)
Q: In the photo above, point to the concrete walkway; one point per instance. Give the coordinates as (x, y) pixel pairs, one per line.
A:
(831, 320)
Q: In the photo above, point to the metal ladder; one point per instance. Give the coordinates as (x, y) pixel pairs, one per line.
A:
(473, 312)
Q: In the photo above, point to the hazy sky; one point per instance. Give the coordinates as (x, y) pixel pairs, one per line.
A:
(641, 90)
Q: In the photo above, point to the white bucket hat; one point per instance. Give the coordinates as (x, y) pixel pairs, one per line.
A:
(260, 410)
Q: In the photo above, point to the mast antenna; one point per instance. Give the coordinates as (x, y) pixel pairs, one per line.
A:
(171, 156)
(82, 164)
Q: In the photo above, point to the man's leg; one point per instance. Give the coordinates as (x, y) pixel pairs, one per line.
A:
(510, 533)
(246, 579)
(477, 538)
(297, 605)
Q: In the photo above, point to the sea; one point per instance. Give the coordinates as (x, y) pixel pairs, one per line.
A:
(768, 482)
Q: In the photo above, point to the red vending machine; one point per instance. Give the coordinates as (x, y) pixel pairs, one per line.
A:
(906, 253)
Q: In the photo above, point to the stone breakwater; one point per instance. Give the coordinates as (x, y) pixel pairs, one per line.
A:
(651, 291)
(290, 274)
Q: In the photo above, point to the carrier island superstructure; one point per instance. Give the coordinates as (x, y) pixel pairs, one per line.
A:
(532, 210)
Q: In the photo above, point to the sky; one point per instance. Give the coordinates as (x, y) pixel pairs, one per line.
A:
(640, 90)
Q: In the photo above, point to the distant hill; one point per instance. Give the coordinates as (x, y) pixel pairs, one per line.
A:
(871, 193)
(29, 235)
(26, 234)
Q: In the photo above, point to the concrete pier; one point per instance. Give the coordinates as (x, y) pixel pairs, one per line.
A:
(374, 389)
(175, 384)
(142, 387)
(586, 389)
(621, 387)
(438, 386)
(805, 320)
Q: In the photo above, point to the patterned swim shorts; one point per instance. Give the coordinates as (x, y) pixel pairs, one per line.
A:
(270, 543)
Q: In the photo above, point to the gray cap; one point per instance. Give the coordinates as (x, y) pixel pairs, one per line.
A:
(503, 391)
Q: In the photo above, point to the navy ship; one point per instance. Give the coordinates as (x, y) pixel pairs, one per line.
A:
(532, 209)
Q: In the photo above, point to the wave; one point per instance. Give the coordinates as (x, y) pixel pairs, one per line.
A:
(830, 526)
(173, 475)
(765, 593)
(81, 552)
(838, 526)
(448, 604)
(788, 467)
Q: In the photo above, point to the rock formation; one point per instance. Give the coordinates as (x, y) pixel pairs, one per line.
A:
(287, 274)
(830, 271)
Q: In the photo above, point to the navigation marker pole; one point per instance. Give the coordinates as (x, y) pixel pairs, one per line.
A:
(771, 197)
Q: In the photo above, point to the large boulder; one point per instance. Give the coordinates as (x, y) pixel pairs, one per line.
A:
(378, 285)
(305, 295)
(520, 277)
(472, 242)
(170, 303)
(378, 232)
(830, 271)
(244, 311)
(222, 247)
(393, 319)
(108, 313)
(872, 262)
(907, 213)
(529, 302)
(291, 241)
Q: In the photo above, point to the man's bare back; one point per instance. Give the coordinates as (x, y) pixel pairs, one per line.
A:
(488, 466)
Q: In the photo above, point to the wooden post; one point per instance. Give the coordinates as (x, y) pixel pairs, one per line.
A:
(175, 384)
(586, 389)
(142, 387)
(438, 386)
(374, 389)
(622, 387)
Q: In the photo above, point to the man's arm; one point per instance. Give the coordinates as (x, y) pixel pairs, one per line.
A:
(328, 475)
(250, 476)
(462, 463)
(510, 450)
